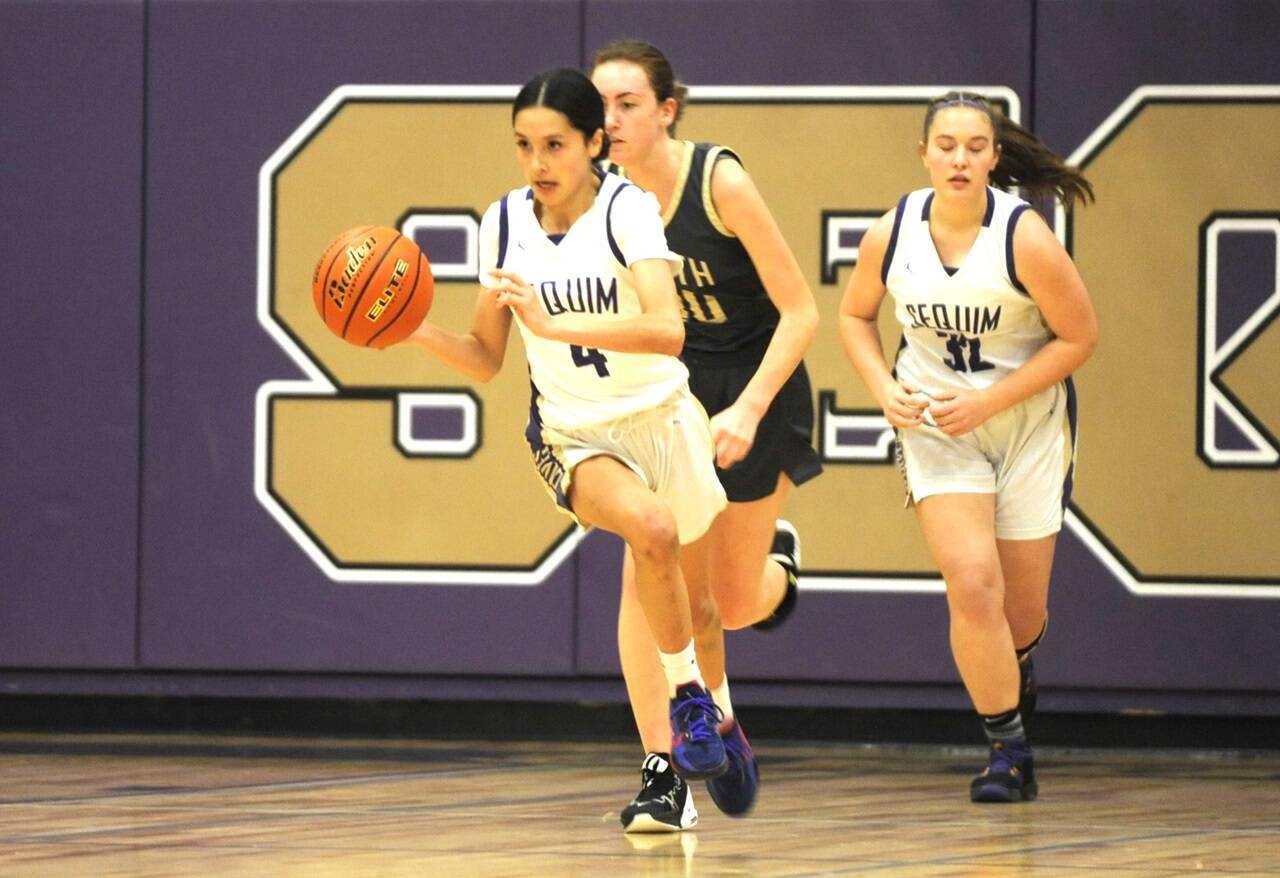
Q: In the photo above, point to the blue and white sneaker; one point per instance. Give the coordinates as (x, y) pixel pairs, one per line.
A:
(734, 792)
(696, 749)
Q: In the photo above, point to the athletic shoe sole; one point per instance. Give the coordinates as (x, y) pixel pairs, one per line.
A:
(645, 823)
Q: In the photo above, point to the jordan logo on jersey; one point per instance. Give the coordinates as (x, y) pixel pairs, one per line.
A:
(582, 295)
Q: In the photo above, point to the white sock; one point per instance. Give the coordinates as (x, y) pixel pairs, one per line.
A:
(720, 695)
(680, 667)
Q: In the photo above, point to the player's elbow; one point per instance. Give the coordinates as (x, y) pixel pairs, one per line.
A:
(670, 339)
(677, 339)
(806, 320)
(1091, 343)
(483, 369)
(1086, 340)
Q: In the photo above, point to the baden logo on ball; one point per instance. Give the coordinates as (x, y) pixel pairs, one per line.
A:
(372, 286)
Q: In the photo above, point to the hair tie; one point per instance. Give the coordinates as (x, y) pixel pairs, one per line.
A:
(962, 102)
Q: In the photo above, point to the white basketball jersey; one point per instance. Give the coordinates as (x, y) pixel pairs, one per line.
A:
(966, 330)
(586, 275)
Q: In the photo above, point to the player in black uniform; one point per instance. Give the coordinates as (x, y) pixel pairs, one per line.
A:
(749, 316)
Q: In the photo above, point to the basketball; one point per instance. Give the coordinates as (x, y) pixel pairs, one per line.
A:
(373, 286)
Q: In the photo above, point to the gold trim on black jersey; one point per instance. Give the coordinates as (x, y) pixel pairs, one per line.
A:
(708, 204)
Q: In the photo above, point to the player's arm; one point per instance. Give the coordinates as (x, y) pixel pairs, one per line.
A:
(744, 212)
(1054, 284)
(659, 329)
(478, 353)
(860, 329)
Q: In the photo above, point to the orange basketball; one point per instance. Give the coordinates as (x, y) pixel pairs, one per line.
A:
(373, 286)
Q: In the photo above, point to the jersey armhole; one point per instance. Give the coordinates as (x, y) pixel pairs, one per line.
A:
(503, 231)
(714, 155)
(893, 240)
(1008, 248)
(608, 227)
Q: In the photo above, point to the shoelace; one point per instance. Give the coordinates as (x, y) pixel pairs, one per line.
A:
(700, 716)
(1002, 761)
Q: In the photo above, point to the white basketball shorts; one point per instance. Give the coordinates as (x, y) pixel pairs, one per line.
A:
(668, 447)
(1024, 455)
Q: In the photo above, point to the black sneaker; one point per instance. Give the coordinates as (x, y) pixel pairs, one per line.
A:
(664, 803)
(1010, 775)
(1027, 691)
(786, 551)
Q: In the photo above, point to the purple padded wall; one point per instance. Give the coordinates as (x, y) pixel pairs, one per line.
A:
(224, 589)
(223, 585)
(71, 88)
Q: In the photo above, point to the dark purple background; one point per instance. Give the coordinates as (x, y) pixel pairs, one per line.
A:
(136, 134)
(71, 119)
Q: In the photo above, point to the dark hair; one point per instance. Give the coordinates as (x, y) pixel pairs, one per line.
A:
(566, 91)
(649, 58)
(1025, 162)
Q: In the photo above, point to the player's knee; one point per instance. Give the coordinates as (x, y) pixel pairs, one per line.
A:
(975, 594)
(704, 613)
(655, 539)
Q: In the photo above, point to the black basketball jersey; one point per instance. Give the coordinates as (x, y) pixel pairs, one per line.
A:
(726, 308)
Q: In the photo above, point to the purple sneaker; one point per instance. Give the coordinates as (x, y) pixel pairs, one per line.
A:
(1010, 775)
(696, 749)
(734, 792)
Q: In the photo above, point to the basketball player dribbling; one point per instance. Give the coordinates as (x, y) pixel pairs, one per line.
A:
(995, 319)
(749, 317)
(578, 258)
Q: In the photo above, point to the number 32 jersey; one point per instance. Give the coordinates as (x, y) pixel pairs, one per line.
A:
(584, 276)
(968, 329)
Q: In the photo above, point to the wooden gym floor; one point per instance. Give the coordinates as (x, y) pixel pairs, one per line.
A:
(175, 805)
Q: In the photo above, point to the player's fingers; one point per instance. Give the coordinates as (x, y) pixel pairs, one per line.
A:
(509, 280)
(908, 407)
(727, 456)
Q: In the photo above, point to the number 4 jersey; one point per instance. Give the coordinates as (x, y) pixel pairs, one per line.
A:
(966, 329)
(584, 275)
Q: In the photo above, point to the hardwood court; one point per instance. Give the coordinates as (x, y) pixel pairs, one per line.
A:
(115, 805)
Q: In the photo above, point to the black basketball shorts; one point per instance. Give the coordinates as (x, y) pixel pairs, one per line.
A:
(784, 439)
